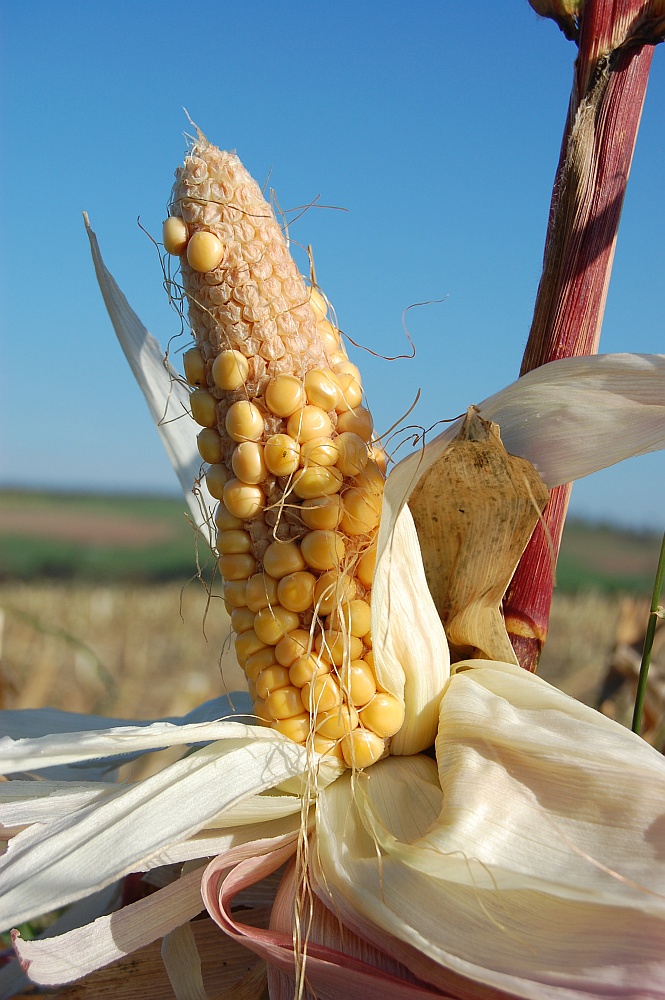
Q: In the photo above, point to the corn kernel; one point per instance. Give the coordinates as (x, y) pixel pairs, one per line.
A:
(246, 644)
(361, 748)
(242, 499)
(195, 367)
(384, 715)
(295, 592)
(273, 623)
(238, 566)
(359, 683)
(284, 395)
(366, 566)
(362, 512)
(350, 389)
(248, 464)
(292, 646)
(321, 694)
(331, 589)
(358, 420)
(322, 389)
(261, 591)
(317, 481)
(369, 660)
(322, 550)
(217, 477)
(229, 370)
(262, 713)
(271, 679)
(242, 619)
(354, 616)
(323, 512)
(224, 520)
(174, 235)
(379, 456)
(234, 593)
(371, 479)
(338, 647)
(244, 421)
(353, 454)
(209, 444)
(285, 703)
(335, 724)
(328, 336)
(328, 748)
(281, 454)
(204, 408)
(257, 662)
(204, 251)
(305, 668)
(320, 451)
(233, 541)
(282, 558)
(297, 727)
(318, 304)
(309, 422)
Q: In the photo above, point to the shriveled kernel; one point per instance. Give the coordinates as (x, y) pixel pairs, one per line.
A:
(332, 589)
(246, 644)
(328, 748)
(229, 370)
(384, 715)
(285, 703)
(209, 444)
(273, 623)
(238, 566)
(174, 235)
(260, 710)
(321, 694)
(271, 679)
(320, 451)
(358, 420)
(261, 591)
(242, 619)
(359, 683)
(305, 668)
(217, 477)
(353, 454)
(361, 748)
(322, 389)
(366, 566)
(204, 407)
(204, 251)
(243, 500)
(328, 336)
(284, 395)
(282, 558)
(281, 454)
(362, 512)
(317, 481)
(248, 464)
(337, 646)
(322, 512)
(195, 367)
(309, 422)
(233, 541)
(318, 304)
(323, 550)
(244, 421)
(295, 592)
(292, 646)
(337, 723)
(296, 727)
(225, 520)
(350, 390)
(259, 661)
(234, 593)
(355, 617)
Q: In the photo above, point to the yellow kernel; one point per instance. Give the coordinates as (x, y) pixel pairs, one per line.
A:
(246, 644)
(361, 748)
(354, 616)
(362, 512)
(337, 357)
(273, 623)
(296, 727)
(217, 477)
(234, 593)
(285, 703)
(282, 558)
(295, 592)
(292, 646)
(271, 679)
(353, 454)
(262, 713)
(366, 566)
(204, 251)
(317, 481)
(229, 370)
(224, 520)
(284, 395)
(322, 389)
(358, 420)
(322, 694)
(359, 683)
(242, 619)
(242, 499)
(261, 591)
(332, 589)
(350, 387)
(369, 659)
(339, 647)
(379, 456)
(328, 336)
(281, 454)
(195, 367)
(251, 690)
(322, 512)
(371, 479)
(244, 421)
(238, 566)
(337, 723)
(328, 748)
(319, 451)
(384, 715)
(305, 668)
(367, 639)
(233, 541)
(248, 464)
(204, 407)
(322, 550)
(257, 662)
(174, 235)
(209, 444)
(318, 304)
(309, 422)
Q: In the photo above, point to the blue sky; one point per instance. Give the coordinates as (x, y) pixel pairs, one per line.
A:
(435, 125)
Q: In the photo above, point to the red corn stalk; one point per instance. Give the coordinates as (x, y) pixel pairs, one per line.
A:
(616, 40)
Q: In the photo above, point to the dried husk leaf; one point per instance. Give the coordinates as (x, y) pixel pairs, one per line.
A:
(474, 511)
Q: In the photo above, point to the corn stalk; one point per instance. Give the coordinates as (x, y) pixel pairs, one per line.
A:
(616, 40)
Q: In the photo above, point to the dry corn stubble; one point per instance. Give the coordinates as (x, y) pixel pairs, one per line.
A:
(288, 442)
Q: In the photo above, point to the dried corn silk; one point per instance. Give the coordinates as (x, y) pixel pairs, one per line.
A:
(288, 443)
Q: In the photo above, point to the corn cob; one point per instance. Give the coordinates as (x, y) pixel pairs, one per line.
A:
(288, 444)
